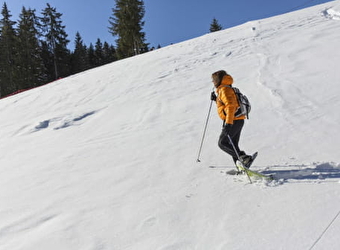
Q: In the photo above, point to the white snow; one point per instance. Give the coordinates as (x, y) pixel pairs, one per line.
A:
(106, 159)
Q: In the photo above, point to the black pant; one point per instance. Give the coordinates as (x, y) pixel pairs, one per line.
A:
(234, 133)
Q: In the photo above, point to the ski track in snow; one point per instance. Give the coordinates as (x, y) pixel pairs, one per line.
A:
(62, 122)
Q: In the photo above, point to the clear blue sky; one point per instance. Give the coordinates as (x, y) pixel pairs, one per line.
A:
(166, 21)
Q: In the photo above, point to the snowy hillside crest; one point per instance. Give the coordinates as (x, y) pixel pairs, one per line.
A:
(332, 14)
(105, 159)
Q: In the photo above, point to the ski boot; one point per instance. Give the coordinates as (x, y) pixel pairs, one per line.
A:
(246, 160)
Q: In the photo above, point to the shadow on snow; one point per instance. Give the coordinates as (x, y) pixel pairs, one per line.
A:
(295, 172)
(320, 171)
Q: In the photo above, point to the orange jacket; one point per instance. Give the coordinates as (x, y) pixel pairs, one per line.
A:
(226, 101)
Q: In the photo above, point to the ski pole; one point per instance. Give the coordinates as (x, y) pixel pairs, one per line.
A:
(238, 156)
(204, 132)
(232, 144)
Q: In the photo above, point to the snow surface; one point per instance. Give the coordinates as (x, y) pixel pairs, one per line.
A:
(106, 159)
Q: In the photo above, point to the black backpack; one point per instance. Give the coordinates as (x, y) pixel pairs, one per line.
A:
(244, 103)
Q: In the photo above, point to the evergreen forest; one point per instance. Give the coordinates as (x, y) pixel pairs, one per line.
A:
(34, 49)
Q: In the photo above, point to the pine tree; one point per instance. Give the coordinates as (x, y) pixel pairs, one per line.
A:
(8, 53)
(98, 53)
(80, 59)
(32, 69)
(91, 56)
(215, 26)
(126, 24)
(56, 54)
(109, 53)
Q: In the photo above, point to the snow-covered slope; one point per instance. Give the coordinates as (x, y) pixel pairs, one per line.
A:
(106, 159)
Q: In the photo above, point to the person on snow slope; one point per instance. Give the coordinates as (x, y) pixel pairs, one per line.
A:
(227, 105)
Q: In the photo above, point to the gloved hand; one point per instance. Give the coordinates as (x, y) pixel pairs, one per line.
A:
(213, 96)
